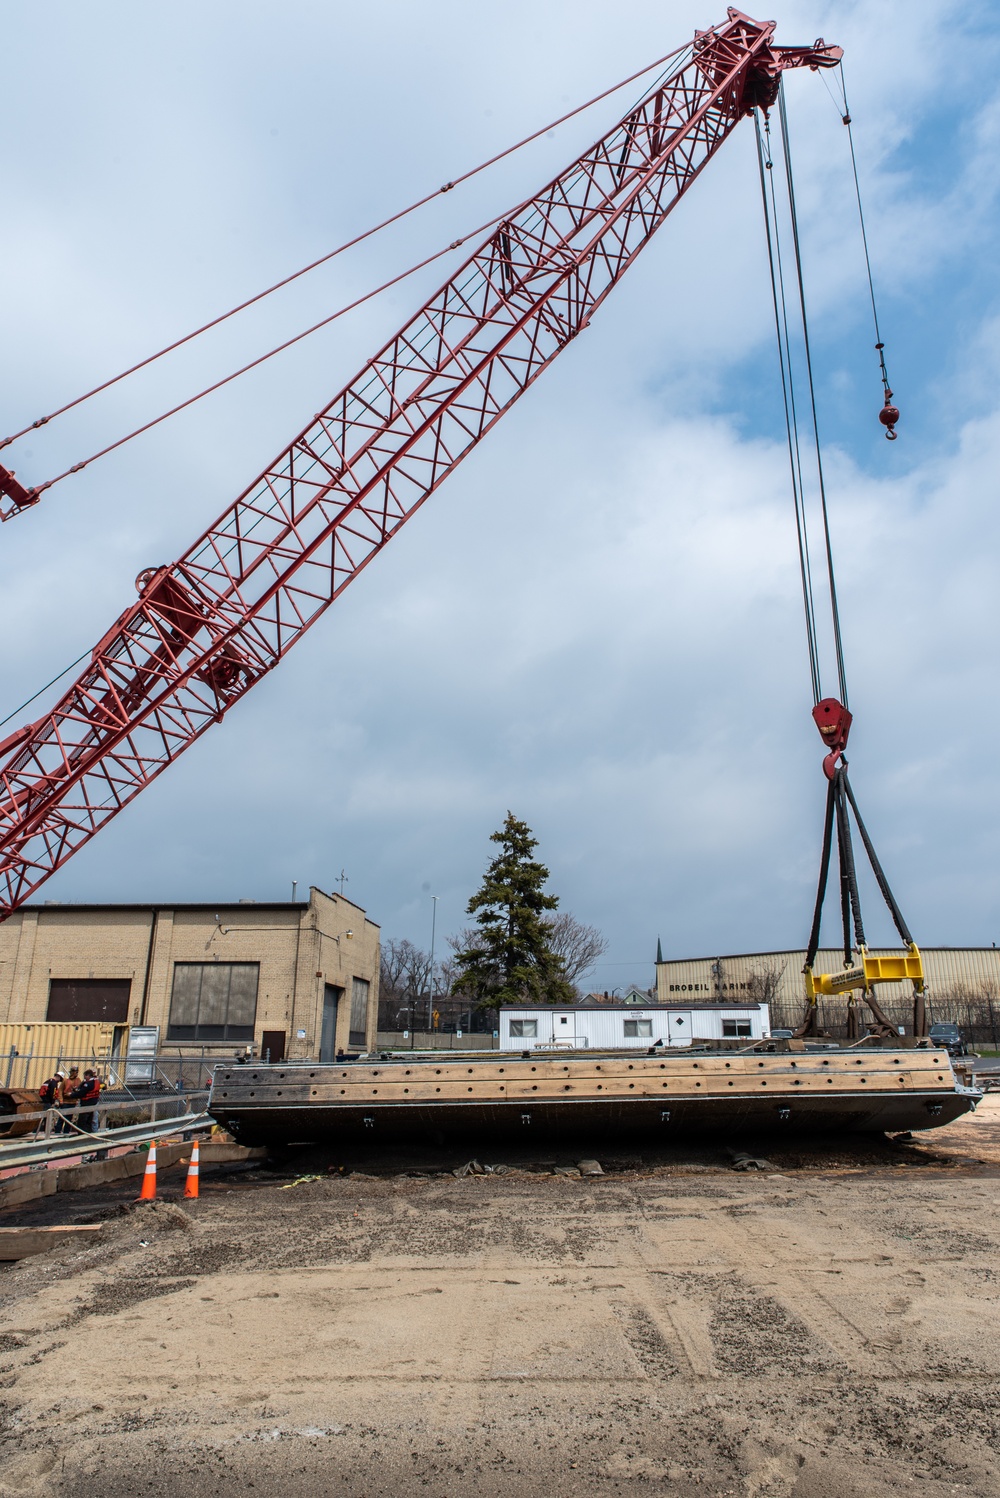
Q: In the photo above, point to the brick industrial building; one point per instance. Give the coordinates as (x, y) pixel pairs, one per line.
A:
(963, 986)
(296, 979)
(965, 972)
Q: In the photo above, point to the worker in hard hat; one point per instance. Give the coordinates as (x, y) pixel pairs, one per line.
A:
(67, 1087)
(88, 1091)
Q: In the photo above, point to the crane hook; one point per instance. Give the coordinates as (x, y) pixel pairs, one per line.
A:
(888, 416)
(834, 721)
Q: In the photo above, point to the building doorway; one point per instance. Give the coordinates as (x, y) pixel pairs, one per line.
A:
(681, 1028)
(564, 1029)
(272, 1046)
(328, 1035)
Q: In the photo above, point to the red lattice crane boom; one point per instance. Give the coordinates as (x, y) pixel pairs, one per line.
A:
(205, 629)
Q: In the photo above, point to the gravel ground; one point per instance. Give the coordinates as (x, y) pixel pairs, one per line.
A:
(825, 1326)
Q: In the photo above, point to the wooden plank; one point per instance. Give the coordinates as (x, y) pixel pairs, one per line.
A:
(18, 1243)
(548, 1079)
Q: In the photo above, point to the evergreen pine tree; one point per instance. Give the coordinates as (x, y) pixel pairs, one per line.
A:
(510, 961)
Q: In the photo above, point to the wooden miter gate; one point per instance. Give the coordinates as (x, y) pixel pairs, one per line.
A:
(870, 1087)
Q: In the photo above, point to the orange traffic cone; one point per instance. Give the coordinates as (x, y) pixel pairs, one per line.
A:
(191, 1184)
(148, 1192)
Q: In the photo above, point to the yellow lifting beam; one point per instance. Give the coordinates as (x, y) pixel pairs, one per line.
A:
(869, 970)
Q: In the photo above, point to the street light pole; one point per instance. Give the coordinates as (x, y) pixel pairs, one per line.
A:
(430, 984)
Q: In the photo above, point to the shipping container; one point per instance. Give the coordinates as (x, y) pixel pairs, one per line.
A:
(29, 1054)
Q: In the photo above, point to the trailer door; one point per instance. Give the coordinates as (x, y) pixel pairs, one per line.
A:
(564, 1028)
(680, 1029)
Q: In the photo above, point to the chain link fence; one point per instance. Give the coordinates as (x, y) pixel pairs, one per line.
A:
(977, 1016)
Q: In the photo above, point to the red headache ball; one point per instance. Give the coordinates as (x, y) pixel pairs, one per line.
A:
(888, 416)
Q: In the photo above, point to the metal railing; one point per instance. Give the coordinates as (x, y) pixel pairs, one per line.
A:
(979, 1020)
(109, 1113)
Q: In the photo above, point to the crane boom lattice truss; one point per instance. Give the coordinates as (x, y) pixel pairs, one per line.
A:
(204, 630)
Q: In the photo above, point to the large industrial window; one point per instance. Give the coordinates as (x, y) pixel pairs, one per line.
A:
(359, 1010)
(732, 1029)
(83, 999)
(636, 1027)
(213, 1001)
(525, 1029)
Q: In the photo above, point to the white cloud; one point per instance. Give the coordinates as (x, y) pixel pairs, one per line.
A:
(596, 621)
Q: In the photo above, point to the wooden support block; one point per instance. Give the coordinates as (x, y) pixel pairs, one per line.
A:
(18, 1243)
(214, 1153)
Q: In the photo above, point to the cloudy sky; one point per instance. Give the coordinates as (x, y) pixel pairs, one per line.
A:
(596, 621)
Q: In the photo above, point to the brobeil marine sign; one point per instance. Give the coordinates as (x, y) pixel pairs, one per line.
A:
(709, 987)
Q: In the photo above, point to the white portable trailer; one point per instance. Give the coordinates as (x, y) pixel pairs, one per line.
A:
(609, 1027)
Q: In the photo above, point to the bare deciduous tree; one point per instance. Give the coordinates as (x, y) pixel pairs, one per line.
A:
(764, 982)
(577, 946)
(404, 976)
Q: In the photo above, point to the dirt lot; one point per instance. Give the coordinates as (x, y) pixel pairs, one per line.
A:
(824, 1328)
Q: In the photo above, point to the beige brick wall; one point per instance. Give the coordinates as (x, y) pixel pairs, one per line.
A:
(299, 951)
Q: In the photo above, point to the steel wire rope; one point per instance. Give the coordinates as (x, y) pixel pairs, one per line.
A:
(340, 249)
(475, 273)
(879, 345)
(534, 218)
(765, 166)
(844, 112)
(31, 699)
(828, 543)
(210, 542)
(37, 490)
(261, 359)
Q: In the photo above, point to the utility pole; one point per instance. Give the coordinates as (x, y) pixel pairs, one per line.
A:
(430, 983)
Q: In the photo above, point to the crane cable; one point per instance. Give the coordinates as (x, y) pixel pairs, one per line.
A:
(765, 165)
(795, 442)
(190, 400)
(223, 317)
(313, 265)
(841, 801)
(889, 415)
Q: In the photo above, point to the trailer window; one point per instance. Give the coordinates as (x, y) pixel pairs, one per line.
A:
(526, 1029)
(636, 1027)
(733, 1029)
(213, 1001)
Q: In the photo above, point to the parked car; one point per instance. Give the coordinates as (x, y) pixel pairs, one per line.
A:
(950, 1036)
(782, 1034)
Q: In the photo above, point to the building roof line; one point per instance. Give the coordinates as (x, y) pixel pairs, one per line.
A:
(629, 1008)
(878, 951)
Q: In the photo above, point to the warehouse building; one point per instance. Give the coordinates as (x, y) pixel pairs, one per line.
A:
(956, 977)
(296, 979)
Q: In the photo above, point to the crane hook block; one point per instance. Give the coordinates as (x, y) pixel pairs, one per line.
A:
(834, 721)
(888, 416)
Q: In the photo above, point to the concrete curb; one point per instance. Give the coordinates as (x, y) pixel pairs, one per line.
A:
(34, 1184)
